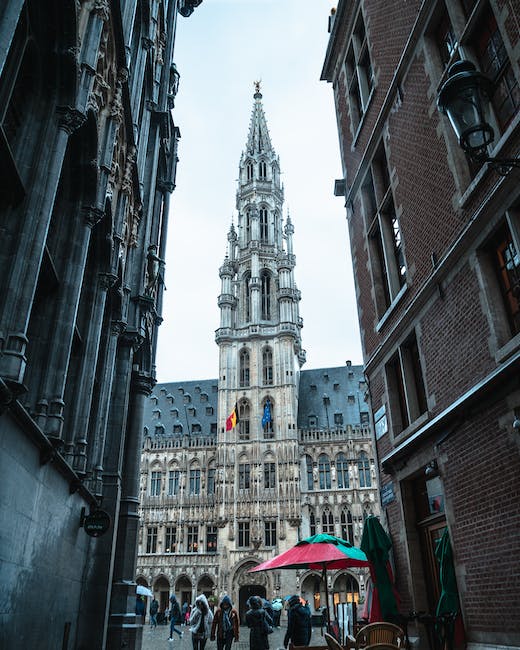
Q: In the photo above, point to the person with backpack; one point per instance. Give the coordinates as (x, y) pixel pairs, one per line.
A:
(201, 619)
(259, 623)
(299, 628)
(154, 608)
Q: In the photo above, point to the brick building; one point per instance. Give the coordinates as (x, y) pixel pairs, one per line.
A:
(435, 240)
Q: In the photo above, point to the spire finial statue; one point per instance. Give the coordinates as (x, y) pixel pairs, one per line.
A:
(257, 84)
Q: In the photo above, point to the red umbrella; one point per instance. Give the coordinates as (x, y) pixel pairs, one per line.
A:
(319, 552)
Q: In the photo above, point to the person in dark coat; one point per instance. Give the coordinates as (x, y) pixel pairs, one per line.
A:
(175, 616)
(299, 628)
(226, 624)
(258, 622)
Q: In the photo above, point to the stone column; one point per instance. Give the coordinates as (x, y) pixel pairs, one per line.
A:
(23, 271)
(124, 630)
(51, 404)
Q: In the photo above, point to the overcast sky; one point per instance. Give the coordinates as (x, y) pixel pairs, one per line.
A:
(220, 51)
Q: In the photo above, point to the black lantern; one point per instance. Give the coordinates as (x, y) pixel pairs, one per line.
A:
(465, 98)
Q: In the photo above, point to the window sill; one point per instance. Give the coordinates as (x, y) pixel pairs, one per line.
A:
(391, 307)
(412, 428)
(362, 119)
(508, 349)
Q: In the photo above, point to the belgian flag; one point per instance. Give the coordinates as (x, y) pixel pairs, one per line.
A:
(232, 420)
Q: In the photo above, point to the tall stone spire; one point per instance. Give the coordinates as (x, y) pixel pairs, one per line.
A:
(260, 355)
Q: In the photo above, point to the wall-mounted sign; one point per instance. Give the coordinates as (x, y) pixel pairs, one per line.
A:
(97, 523)
(380, 422)
(387, 494)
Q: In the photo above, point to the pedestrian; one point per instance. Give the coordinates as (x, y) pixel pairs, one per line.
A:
(259, 624)
(175, 617)
(184, 609)
(299, 628)
(201, 619)
(187, 615)
(226, 624)
(277, 606)
(140, 608)
(154, 608)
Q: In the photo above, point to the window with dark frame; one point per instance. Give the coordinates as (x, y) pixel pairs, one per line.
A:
(312, 523)
(365, 479)
(264, 227)
(244, 369)
(327, 522)
(342, 471)
(270, 533)
(244, 476)
(347, 526)
(266, 295)
(406, 385)
(267, 366)
(506, 263)
(210, 483)
(155, 484)
(243, 421)
(269, 475)
(309, 473)
(495, 64)
(243, 534)
(193, 539)
(324, 472)
(195, 481)
(173, 482)
(170, 539)
(151, 539)
(359, 73)
(211, 539)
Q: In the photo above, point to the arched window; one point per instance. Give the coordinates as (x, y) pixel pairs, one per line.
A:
(264, 228)
(327, 522)
(249, 171)
(312, 523)
(364, 471)
(262, 168)
(324, 472)
(347, 526)
(267, 366)
(247, 297)
(342, 471)
(308, 472)
(267, 419)
(243, 420)
(248, 226)
(266, 295)
(244, 368)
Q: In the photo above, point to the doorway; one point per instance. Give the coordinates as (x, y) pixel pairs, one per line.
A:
(244, 594)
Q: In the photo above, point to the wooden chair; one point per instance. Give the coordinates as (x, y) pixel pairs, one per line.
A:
(333, 644)
(307, 647)
(380, 636)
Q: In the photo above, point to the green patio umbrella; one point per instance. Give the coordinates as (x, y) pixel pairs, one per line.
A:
(377, 544)
(449, 599)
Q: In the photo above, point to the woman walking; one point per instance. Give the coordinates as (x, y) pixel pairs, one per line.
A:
(201, 618)
(260, 624)
(225, 624)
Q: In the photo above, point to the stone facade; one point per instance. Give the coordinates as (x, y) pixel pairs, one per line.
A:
(435, 242)
(88, 157)
(216, 501)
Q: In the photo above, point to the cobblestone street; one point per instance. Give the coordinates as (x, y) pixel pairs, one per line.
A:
(157, 639)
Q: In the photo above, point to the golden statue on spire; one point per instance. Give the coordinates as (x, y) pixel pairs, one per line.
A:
(257, 85)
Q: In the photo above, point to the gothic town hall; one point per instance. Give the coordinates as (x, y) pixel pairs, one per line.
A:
(217, 500)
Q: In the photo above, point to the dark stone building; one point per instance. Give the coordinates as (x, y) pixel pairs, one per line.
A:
(87, 164)
(435, 240)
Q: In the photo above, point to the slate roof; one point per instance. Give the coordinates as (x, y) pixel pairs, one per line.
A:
(326, 392)
(181, 407)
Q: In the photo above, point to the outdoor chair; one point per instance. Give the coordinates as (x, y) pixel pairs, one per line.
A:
(380, 636)
(307, 647)
(334, 644)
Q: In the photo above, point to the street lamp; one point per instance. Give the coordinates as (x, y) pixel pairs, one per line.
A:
(465, 98)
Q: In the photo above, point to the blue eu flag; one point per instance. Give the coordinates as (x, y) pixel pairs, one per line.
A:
(266, 418)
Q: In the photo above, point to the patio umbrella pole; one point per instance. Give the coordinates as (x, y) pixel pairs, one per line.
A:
(324, 577)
